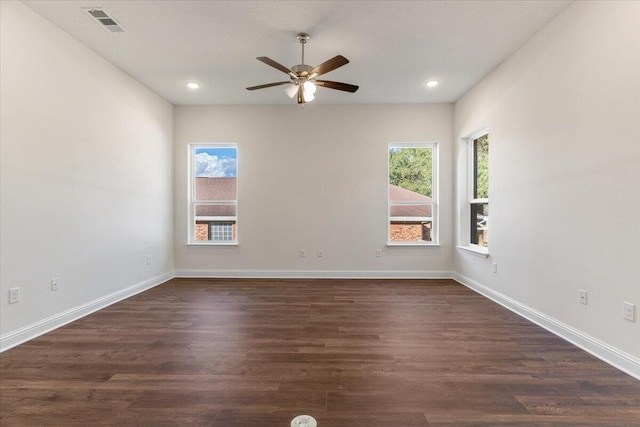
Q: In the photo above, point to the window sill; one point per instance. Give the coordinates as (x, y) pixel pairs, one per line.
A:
(212, 244)
(483, 253)
(412, 244)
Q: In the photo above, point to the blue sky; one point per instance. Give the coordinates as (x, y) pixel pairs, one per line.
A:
(216, 162)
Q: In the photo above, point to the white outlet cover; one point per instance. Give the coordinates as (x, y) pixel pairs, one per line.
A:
(582, 297)
(629, 312)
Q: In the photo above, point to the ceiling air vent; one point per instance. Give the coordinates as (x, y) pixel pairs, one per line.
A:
(105, 20)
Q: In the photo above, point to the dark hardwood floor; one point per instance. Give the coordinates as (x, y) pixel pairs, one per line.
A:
(351, 353)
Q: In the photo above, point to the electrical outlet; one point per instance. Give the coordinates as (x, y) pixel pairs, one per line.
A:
(303, 253)
(494, 267)
(148, 259)
(378, 253)
(54, 284)
(14, 295)
(320, 253)
(629, 312)
(582, 297)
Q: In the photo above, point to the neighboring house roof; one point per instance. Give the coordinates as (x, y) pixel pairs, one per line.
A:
(399, 194)
(208, 189)
(215, 210)
(215, 189)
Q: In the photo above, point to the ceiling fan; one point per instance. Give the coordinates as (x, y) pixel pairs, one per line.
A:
(303, 78)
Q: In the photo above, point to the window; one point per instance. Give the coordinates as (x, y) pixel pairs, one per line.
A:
(412, 194)
(213, 194)
(479, 190)
(221, 231)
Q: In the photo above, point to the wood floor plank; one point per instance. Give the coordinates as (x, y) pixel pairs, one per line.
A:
(247, 352)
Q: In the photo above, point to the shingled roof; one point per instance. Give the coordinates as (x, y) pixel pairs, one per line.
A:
(226, 189)
(208, 189)
(216, 188)
(399, 194)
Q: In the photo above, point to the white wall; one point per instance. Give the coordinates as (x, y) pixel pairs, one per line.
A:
(313, 179)
(564, 119)
(86, 177)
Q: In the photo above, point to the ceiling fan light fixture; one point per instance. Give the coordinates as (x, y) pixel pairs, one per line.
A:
(308, 96)
(309, 88)
(291, 90)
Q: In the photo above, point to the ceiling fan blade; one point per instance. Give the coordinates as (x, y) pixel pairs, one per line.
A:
(330, 65)
(337, 85)
(267, 85)
(275, 65)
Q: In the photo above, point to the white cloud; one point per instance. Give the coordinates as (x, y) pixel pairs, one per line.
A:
(212, 166)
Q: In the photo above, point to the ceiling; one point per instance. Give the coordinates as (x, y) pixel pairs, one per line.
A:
(393, 46)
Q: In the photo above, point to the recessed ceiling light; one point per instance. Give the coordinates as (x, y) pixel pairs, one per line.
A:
(193, 85)
(432, 83)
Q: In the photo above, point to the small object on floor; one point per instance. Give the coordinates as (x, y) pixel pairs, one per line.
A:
(304, 421)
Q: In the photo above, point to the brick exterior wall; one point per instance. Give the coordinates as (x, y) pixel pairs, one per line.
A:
(410, 232)
(202, 231)
(400, 231)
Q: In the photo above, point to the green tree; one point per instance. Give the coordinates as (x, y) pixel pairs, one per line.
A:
(481, 163)
(412, 169)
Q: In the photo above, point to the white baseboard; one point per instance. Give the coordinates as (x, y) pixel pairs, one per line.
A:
(603, 351)
(314, 274)
(43, 326)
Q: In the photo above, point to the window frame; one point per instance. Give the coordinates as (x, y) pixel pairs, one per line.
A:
(192, 202)
(435, 226)
(471, 185)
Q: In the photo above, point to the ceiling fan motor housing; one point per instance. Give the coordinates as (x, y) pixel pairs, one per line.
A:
(302, 69)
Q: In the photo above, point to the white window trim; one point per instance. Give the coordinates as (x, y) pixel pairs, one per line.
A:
(469, 200)
(480, 251)
(213, 243)
(215, 218)
(191, 202)
(435, 237)
(411, 218)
